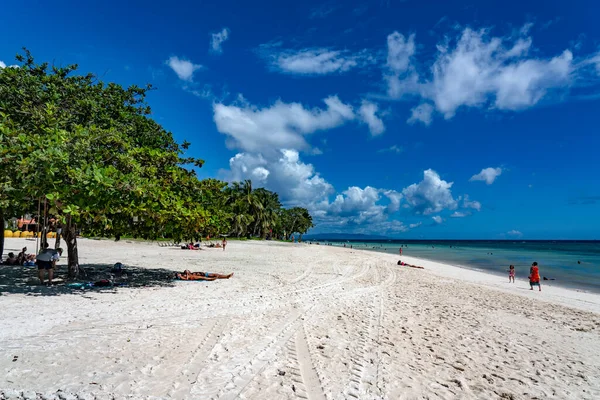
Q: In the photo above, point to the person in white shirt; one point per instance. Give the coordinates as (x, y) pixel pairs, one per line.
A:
(46, 261)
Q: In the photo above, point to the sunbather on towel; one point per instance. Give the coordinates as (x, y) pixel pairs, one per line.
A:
(187, 275)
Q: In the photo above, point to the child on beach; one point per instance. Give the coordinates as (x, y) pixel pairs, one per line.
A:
(511, 274)
(534, 276)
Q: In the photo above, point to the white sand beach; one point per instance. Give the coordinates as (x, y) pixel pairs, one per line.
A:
(295, 321)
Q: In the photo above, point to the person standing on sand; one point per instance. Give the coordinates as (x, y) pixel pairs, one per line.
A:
(46, 261)
(224, 243)
(400, 250)
(511, 274)
(534, 276)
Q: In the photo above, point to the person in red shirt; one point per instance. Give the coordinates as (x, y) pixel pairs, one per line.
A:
(534, 276)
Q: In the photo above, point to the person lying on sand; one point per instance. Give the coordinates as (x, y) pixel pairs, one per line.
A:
(409, 265)
(187, 275)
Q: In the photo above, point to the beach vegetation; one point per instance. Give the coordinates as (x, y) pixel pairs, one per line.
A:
(91, 155)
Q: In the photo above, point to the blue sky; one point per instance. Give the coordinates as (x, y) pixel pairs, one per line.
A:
(401, 118)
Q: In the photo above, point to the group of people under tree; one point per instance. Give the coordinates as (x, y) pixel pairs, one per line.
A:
(45, 260)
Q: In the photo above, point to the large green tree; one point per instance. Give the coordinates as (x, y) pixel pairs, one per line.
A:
(92, 151)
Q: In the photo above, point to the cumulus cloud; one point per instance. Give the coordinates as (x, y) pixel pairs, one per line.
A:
(362, 210)
(437, 219)
(421, 113)
(355, 199)
(395, 198)
(431, 195)
(487, 175)
(481, 69)
(459, 214)
(280, 126)
(514, 233)
(2, 65)
(477, 69)
(217, 39)
(467, 203)
(413, 226)
(271, 140)
(296, 182)
(400, 75)
(368, 114)
(183, 68)
(313, 61)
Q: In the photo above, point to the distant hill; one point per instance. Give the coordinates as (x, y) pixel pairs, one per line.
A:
(342, 236)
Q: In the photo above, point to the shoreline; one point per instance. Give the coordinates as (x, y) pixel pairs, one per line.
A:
(558, 294)
(592, 289)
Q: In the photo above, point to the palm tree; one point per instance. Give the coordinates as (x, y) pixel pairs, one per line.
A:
(267, 215)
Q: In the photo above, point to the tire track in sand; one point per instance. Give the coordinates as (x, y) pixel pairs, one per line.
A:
(366, 360)
(218, 383)
(307, 384)
(190, 371)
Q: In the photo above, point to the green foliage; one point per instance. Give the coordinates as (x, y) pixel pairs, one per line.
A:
(92, 151)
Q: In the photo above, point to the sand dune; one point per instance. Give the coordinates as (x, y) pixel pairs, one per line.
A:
(296, 321)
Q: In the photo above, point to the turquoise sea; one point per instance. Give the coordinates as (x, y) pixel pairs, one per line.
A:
(573, 264)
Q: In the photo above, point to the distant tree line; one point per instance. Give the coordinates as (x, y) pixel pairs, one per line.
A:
(94, 155)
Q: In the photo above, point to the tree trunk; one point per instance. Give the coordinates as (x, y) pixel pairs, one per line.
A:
(58, 233)
(2, 237)
(70, 236)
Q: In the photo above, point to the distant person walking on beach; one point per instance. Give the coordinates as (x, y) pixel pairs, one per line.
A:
(224, 243)
(400, 250)
(534, 276)
(511, 274)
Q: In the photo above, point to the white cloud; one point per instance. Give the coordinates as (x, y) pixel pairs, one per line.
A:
(477, 70)
(183, 68)
(459, 214)
(488, 175)
(437, 219)
(217, 40)
(395, 198)
(280, 126)
(313, 61)
(355, 199)
(481, 69)
(368, 114)
(400, 74)
(421, 113)
(296, 182)
(431, 195)
(3, 65)
(514, 233)
(475, 205)
(271, 139)
(393, 149)
(413, 226)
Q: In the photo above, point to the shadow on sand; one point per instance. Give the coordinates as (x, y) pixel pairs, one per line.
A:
(17, 279)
